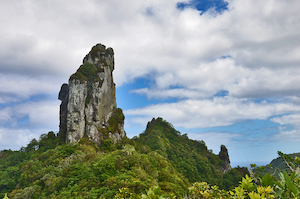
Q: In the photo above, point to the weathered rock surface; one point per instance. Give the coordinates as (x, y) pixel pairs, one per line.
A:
(223, 154)
(64, 97)
(88, 106)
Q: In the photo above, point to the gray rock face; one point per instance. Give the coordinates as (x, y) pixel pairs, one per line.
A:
(89, 102)
(75, 110)
(64, 97)
(223, 154)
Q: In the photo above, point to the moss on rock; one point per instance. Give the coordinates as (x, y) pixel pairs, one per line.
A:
(86, 72)
(97, 50)
(116, 119)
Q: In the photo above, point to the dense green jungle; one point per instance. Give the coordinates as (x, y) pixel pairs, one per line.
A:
(159, 163)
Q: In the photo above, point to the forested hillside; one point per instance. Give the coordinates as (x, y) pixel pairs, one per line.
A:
(160, 157)
(284, 162)
(85, 171)
(189, 157)
(279, 164)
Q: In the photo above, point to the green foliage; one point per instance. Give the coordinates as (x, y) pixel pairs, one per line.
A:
(32, 146)
(47, 169)
(246, 189)
(288, 186)
(267, 180)
(231, 178)
(46, 141)
(14, 163)
(283, 162)
(125, 193)
(107, 145)
(291, 163)
(204, 190)
(82, 171)
(153, 193)
(10, 166)
(86, 72)
(144, 167)
(189, 157)
(116, 119)
(284, 184)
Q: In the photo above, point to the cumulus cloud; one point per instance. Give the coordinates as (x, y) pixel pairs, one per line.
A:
(287, 122)
(207, 79)
(41, 114)
(288, 136)
(14, 139)
(23, 122)
(292, 119)
(17, 87)
(251, 51)
(214, 140)
(220, 111)
(254, 34)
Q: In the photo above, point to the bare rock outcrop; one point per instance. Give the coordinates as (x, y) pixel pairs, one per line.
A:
(88, 106)
(223, 155)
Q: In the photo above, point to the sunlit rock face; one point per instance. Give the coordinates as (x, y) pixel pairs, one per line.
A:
(88, 105)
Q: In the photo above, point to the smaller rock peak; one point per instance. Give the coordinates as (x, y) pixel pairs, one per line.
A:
(224, 149)
(154, 122)
(223, 155)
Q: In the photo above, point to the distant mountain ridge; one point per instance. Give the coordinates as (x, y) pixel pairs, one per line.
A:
(277, 165)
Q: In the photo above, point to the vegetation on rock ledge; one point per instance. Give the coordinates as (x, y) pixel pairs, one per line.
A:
(87, 72)
(115, 120)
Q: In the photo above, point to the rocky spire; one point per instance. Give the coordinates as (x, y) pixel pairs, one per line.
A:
(89, 102)
(223, 154)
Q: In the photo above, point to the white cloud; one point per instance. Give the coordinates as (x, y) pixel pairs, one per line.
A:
(42, 114)
(214, 140)
(287, 122)
(44, 43)
(6, 115)
(208, 79)
(176, 44)
(16, 138)
(220, 111)
(288, 136)
(23, 122)
(292, 119)
(22, 87)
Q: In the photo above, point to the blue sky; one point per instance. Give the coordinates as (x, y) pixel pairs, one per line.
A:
(226, 72)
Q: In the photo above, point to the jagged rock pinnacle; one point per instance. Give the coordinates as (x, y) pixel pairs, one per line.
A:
(223, 154)
(89, 101)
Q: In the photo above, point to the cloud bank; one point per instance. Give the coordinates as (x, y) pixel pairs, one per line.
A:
(220, 67)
